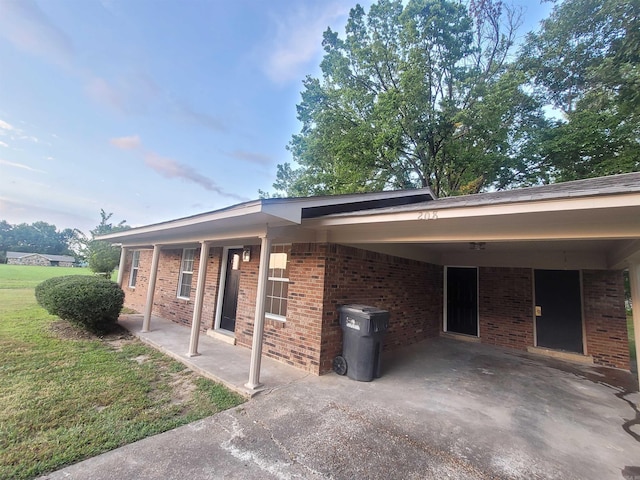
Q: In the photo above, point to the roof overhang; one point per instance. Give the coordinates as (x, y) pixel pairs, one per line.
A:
(592, 223)
(253, 219)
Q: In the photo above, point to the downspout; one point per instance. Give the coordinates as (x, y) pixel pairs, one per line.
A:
(258, 325)
(197, 307)
(153, 274)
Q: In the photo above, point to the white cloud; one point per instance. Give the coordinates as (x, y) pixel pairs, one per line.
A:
(6, 126)
(298, 39)
(20, 165)
(170, 168)
(126, 143)
(2, 144)
(25, 25)
(252, 157)
(103, 92)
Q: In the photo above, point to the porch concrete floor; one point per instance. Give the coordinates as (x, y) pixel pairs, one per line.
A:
(442, 409)
(217, 360)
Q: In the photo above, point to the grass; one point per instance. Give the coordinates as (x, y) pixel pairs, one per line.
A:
(67, 399)
(20, 276)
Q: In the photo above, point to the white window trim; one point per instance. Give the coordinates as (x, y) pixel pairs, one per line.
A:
(274, 316)
(182, 272)
(134, 268)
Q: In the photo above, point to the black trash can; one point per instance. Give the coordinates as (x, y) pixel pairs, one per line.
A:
(363, 327)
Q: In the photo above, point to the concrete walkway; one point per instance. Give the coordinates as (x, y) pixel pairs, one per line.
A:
(219, 361)
(442, 409)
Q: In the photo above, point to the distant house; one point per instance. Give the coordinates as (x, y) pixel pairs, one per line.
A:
(41, 259)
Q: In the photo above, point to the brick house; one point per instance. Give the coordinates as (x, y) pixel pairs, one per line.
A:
(538, 269)
(40, 259)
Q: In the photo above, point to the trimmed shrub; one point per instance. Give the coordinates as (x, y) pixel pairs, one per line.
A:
(92, 302)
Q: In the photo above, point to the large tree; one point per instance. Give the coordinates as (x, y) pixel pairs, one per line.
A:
(584, 63)
(103, 257)
(415, 95)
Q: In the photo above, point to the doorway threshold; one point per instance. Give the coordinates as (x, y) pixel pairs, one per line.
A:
(562, 355)
(461, 336)
(222, 335)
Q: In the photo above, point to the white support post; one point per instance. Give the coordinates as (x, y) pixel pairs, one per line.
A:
(634, 283)
(197, 307)
(123, 257)
(153, 274)
(258, 324)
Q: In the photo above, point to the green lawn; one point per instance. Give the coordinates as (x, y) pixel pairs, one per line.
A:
(67, 399)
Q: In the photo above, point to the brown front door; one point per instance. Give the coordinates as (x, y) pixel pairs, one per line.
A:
(231, 286)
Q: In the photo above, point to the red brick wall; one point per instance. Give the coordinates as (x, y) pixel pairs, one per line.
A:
(211, 289)
(166, 303)
(247, 289)
(135, 298)
(324, 276)
(411, 291)
(605, 318)
(505, 307)
(297, 340)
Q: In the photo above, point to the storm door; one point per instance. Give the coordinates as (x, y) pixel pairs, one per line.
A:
(231, 287)
(462, 300)
(558, 310)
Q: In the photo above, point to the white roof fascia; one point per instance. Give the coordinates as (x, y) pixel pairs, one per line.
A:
(234, 211)
(430, 210)
(283, 211)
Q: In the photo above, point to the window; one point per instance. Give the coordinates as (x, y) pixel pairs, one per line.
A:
(186, 272)
(278, 283)
(135, 263)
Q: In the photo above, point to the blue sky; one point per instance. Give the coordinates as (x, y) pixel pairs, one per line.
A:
(153, 109)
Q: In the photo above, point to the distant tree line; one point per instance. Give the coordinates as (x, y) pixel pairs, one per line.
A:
(39, 237)
(42, 237)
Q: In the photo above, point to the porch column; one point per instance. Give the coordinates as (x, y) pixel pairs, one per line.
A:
(123, 256)
(197, 306)
(634, 283)
(153, 274)
(258, 324)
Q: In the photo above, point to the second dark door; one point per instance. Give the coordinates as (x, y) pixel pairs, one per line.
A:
(462, 300)
(231, 286)
(558, 310)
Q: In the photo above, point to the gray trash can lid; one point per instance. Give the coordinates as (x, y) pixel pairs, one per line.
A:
(357, 308)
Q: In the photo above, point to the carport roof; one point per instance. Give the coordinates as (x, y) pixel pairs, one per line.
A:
(591, 187)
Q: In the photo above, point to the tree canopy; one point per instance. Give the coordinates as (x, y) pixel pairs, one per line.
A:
(584, 62)
(432, 93)
(102, 256)
(38, 237)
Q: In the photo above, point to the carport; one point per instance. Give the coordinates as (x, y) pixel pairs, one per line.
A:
(495, 268)
(559, 232)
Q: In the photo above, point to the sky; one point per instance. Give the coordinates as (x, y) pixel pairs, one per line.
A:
(153, 109)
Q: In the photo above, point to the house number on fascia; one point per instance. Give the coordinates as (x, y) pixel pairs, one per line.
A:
(433, 215)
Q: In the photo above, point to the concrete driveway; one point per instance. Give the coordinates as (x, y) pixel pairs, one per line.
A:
(443, 409)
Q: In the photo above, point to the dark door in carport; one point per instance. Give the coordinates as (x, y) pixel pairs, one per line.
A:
(558, 310)
(462, 300)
